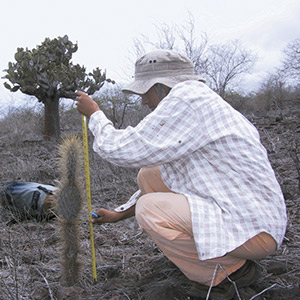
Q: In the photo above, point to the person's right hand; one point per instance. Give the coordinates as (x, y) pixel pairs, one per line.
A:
(85, 105)
(106, 216)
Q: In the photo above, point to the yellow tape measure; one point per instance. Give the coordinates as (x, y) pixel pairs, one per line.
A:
(88, 193)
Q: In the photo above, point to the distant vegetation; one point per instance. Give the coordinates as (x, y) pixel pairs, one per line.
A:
(48, 74)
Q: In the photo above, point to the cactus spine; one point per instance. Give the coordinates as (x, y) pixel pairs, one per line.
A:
(69, 199)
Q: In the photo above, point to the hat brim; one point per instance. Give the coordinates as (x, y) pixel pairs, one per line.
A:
(141, 87)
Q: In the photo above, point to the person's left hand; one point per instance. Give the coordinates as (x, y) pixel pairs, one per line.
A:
(107, 216)
(85, 105)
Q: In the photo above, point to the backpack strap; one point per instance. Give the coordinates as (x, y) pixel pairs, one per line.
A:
(35, 200)
(46, 190)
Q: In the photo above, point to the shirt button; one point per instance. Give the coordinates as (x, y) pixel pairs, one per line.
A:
(121, 208)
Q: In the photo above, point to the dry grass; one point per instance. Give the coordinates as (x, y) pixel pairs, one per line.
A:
(129, 265)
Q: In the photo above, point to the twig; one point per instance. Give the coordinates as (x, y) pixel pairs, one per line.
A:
(270, 140)
(125, 295)
(273, 285)
(123, 262)
(297, 164)
(14, 266)
(8, 292)
(233, 282)
(213, 279)
(125, 241)
(47, 283)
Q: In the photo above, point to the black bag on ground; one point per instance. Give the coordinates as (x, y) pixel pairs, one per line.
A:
(29, 199)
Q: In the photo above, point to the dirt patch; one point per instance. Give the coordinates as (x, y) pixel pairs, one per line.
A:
(129, 264)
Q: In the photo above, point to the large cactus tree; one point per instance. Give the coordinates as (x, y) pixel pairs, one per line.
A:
(47, 73)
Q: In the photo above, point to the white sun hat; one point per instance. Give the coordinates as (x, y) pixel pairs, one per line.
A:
(161, 66)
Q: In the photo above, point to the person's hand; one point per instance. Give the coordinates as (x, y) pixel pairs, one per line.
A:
(106, 216)
(85, 105)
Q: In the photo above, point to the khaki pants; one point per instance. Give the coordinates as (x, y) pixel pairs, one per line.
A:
(166, 217)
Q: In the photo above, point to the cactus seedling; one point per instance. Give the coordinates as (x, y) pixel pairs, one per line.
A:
(69, 198)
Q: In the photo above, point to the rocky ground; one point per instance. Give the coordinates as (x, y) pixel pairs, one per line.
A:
(129, 265)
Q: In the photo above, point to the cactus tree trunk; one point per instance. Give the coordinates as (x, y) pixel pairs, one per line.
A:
(51, 115)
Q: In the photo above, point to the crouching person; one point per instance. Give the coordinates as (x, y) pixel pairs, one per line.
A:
(208, 196)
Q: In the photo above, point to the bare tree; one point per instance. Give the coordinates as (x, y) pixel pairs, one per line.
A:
(273, 93)
(195, 47)
(166, 39)
(178, 38)
(222, 65)
(291, 63)
(227, 63)
(118, 107)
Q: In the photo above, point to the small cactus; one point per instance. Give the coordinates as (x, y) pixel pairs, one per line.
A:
(69, 200)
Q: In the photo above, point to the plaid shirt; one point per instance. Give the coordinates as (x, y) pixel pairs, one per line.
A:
(210, 153)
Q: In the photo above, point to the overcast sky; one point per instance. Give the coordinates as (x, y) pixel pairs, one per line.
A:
(105, 30)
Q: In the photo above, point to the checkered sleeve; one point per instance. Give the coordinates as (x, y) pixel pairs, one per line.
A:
(163, 136)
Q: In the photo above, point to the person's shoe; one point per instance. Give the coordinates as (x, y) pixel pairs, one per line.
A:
(243, 277)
